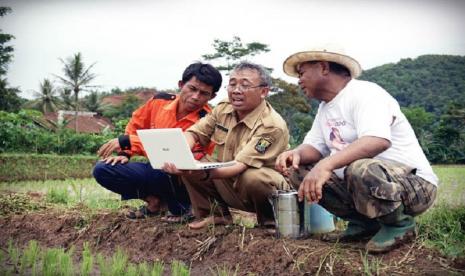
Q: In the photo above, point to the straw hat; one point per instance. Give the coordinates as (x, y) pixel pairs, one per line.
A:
(332, 53)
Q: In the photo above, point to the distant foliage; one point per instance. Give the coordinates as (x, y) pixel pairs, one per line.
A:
(123, 111)
(431, 91)
(20, 133)
(294, 107)
(20, 167)
(429, 81)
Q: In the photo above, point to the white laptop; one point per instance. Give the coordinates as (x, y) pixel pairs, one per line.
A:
(168, 145)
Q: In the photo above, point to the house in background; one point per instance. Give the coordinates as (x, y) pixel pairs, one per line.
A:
(117, 100)
(88, 122)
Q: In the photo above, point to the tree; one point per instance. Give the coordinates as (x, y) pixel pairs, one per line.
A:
(9, 99)
(123, 111)
(233, 51)
(77, 78)
(6, 51)
(66, 98)
(46, 99)
(92, 102)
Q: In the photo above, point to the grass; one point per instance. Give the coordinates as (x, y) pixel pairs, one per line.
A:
(442, 227)
(451, 184)
(70, 192)
(34, 260)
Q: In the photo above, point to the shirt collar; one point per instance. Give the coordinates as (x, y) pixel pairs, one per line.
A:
(253, 116)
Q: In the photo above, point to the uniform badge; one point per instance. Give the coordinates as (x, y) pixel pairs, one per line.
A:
(262, 145)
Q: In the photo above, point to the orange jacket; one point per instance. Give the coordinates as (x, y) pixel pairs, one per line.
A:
(160, 112)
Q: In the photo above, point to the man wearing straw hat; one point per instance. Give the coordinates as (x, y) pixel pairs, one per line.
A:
(361, 159)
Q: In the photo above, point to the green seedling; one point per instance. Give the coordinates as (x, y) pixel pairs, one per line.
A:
(224, 270)
(179, 269)
(87, 262)
(157, 268)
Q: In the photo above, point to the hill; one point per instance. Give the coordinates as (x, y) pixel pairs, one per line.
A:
(429, 81)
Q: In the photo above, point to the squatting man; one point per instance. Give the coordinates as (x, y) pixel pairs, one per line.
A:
(360, 160)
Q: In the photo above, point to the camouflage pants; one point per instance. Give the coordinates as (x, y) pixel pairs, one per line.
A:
(373, 188)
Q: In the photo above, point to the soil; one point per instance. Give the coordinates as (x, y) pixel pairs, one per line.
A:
(254, 250)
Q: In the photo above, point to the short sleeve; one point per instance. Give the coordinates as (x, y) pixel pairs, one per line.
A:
(315, 137)
(373, 113)
(204, 128)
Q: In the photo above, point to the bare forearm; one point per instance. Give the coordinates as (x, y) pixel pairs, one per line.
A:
(191, 139)
(308, 154)
(228, 172)
(365, 147)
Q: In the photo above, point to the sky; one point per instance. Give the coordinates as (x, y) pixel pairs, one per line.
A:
(150, 42)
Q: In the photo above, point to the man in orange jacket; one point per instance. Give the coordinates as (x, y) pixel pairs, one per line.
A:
(137, 180)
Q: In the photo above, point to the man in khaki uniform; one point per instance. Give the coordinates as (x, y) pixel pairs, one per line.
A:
(245, 128)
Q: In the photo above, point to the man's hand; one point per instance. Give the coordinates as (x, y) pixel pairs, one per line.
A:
(287, 159)
(108, 148)
(192, 174)
(115, 159)
(312, 185)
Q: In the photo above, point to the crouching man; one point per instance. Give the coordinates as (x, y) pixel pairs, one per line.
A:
(245, 128)
(360, 160)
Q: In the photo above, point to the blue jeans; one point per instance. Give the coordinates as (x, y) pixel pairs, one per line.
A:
(135, 180)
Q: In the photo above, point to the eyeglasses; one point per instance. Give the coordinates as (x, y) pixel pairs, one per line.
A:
(242, 87)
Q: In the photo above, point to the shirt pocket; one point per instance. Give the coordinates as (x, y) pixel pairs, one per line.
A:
(219, 136)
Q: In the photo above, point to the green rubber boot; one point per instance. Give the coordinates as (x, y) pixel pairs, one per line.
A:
(359, 228)
(397, 228)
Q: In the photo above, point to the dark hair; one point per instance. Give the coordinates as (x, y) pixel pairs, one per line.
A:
(265, 78)
(338, 69)
(205, 73)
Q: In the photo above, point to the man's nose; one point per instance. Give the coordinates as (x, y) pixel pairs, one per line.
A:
(237, 90)
(196, 95)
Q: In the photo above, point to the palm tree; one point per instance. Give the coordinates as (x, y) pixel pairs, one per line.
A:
(92, 102)
(77, 78)
(45, 101)
(66, 97)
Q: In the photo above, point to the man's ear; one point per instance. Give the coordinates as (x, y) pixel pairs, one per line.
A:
(180, 84)
(325, 67)
(264, 92)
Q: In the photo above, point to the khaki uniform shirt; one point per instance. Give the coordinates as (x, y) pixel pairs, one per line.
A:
(256, 140)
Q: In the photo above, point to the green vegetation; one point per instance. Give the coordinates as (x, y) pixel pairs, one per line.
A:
(231, 52)
(65, 193)
(443, 226)
(17, 167)
(77, 78)
(20, 167)
(225, 270)
(431, 90)
(429, 81)
(25, 132)
(9, 98)
(34, 260)
(17, 203)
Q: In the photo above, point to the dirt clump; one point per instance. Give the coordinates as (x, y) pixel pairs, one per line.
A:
(251, 250)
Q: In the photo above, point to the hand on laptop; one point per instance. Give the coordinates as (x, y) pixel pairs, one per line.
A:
(194, 174)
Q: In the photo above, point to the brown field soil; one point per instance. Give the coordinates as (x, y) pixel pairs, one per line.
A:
(252, 249)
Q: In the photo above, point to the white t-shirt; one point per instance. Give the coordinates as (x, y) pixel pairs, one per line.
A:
(365, 109)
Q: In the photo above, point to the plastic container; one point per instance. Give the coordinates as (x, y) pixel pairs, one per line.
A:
(317, 220)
